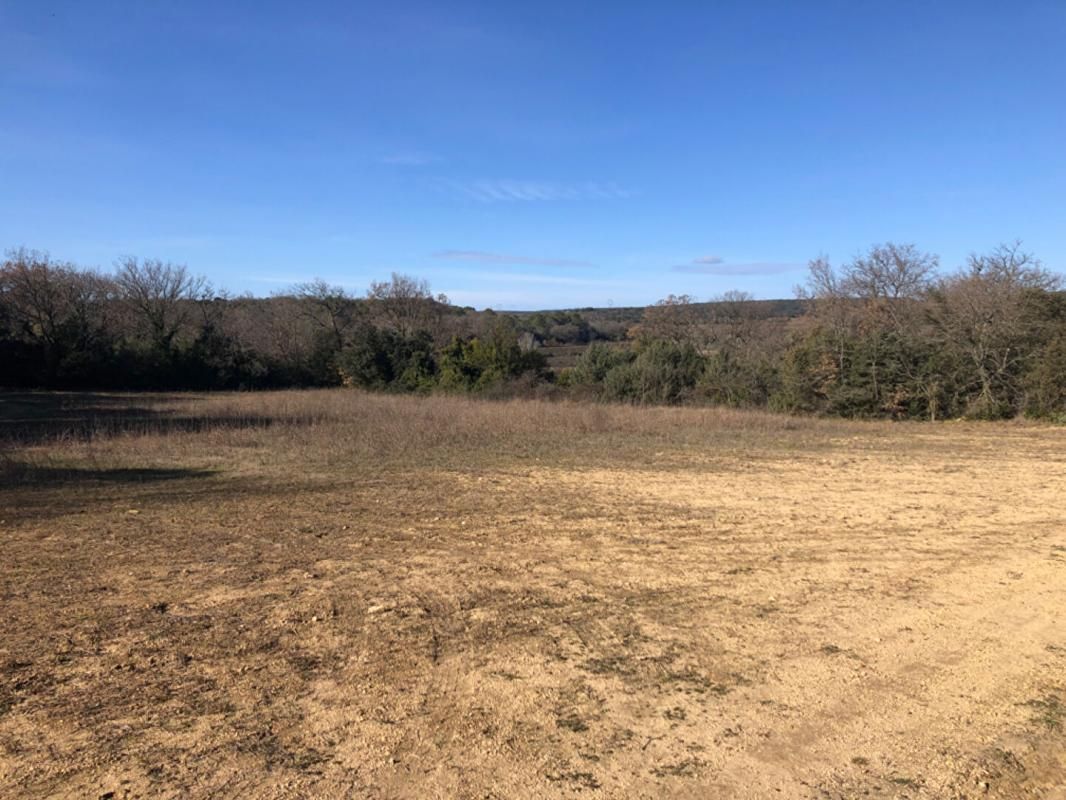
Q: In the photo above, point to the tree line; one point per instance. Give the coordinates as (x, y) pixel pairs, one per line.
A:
(887, 334)
(150, 324)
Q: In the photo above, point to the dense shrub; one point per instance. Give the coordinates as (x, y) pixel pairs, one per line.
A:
(385, 359)
(595, 363)
(662, 372)
(479, 363)
(1045, 384)
(883, 336)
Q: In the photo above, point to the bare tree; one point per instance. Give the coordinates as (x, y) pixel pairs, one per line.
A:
(37, 291)
(885, 272)
(889, 282)
(279, 327)
(213, 306)
(674, 318)
(330, 308)
(890, 272)
(160, 295)
(831, 306)
(52, 302)
(734, 318)
(988, 314)
(406, 303)
(875, 297)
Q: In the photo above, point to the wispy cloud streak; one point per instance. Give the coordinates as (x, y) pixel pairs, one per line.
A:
(716, 265)
(510, 191)
(526, 277)
(483, 257)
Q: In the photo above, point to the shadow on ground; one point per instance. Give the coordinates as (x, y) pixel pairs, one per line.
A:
(14, 474)
(28, 418)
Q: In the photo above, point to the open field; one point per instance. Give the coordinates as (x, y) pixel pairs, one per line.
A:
(330, 594)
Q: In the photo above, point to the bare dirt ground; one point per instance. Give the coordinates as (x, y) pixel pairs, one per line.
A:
(335, 595)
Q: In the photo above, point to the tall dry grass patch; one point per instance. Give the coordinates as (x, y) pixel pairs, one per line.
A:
(320, 432)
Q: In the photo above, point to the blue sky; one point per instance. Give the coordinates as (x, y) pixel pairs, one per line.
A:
(530, 155)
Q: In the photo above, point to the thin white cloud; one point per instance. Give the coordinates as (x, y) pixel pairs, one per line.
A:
(527, 277)
(483, 257)
(499, 299)
(510, 191)
(715, 265)
(522, 297)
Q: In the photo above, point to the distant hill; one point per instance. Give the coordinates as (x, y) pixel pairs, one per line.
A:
(759, 309)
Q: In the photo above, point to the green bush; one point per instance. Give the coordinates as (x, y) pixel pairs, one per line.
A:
(662, 372)
(378, 358)
(479, 363)
(1045, 385)
(594, 364)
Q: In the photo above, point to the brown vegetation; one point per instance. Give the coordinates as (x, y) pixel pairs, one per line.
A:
(882, 335)
(335, 594)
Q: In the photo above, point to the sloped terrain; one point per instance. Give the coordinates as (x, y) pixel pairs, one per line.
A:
(380, 597)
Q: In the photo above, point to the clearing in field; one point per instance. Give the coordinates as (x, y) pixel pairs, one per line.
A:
(332, 594)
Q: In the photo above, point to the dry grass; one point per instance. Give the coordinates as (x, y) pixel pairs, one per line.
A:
(334, 594)
(342, 430)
